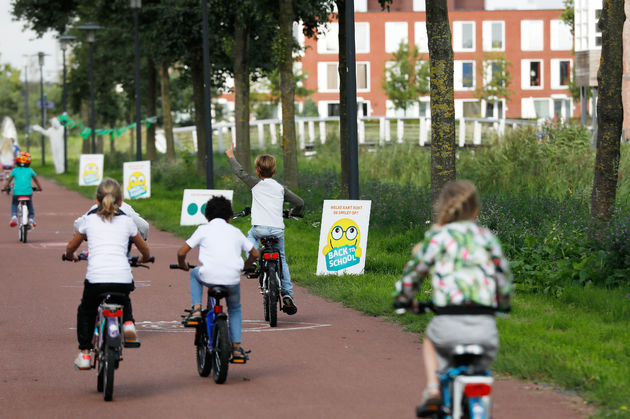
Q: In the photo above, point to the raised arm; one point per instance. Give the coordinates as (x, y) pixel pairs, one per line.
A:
(238, 170)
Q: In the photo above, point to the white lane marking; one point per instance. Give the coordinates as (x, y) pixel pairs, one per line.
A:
(174, 326)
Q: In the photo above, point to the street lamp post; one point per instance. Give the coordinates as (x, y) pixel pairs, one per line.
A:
(41, 55)
(135, 5)
(90, 30)
(64, 40)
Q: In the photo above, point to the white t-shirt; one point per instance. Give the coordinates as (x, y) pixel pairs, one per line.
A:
(107, 247)
(267, 200)
(220, 247)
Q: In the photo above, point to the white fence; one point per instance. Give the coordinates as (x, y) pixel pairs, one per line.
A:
(375, 131)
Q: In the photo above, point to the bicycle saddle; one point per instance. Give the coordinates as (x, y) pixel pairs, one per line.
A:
(269, 239)
(218, 291)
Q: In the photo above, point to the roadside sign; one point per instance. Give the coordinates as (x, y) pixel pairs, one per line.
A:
(194, 204)
(343, 237)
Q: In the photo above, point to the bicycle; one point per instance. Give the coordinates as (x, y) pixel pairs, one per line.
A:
(269, 271)
(212, 339)
(108, 340)
(465, 388)
(23, 216)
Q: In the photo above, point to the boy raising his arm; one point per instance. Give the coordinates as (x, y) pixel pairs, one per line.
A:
(268, 197)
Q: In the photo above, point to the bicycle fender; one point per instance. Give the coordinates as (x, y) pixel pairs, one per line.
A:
(114, 339)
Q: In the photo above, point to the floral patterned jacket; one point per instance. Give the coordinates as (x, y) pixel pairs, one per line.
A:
(466, 264)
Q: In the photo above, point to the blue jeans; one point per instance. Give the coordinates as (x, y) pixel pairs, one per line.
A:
(233, 303)
(14, 205)
(256, 233)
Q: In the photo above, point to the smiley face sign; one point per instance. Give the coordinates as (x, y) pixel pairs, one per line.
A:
(137, 179)
(90, 169)
(343, 237)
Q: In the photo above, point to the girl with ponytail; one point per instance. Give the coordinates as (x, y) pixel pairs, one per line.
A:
(107, 230)
(470, 280)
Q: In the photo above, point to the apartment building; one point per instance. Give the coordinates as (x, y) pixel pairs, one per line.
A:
(536, 43)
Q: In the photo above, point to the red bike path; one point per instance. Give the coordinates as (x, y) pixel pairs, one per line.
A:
(327, 361)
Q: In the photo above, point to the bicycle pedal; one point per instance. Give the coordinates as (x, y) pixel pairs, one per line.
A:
(238, 361)
(190, 323)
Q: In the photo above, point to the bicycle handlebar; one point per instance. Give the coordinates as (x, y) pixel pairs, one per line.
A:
(422, 307)
(247, 211)
(133, 261)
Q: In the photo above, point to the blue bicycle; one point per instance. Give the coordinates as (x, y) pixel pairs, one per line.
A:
(212, 339)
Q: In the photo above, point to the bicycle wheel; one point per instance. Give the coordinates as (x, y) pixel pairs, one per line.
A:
(272, 297)
(204, 356)
(221, 350)
(109, 365)
(23, 232)
(265, 291)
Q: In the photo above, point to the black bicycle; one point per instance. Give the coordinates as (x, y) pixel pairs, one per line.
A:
(108, 338)
(212, 338)
(269, 272)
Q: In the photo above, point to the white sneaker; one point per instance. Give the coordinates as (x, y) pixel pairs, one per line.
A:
(129, 331)
(82, 361)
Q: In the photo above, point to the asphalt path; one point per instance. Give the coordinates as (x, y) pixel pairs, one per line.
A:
(326, 361)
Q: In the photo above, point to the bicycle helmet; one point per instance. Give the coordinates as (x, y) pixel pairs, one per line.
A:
(24, 158)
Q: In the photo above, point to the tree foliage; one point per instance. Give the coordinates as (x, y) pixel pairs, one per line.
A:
(495, 70)
(407, 76)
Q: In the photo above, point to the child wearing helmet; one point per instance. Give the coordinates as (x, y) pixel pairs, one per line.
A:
(22, 186)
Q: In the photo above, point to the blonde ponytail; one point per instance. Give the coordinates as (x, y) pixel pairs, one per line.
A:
(108, 195)
(459, 201)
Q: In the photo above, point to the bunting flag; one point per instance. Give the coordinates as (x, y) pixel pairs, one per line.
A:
(113, 133)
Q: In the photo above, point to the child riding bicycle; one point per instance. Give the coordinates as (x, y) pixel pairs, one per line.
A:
(267, 199)
(220, 247)
(21, 177)
(107, 231)
(470, 278)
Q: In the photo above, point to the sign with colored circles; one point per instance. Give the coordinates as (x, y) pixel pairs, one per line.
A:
(194, 205)
(343, 237)
(137, 179)
(90, 169)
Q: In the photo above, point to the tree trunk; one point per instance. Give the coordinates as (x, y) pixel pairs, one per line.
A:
(442, 102)
(609, 111)
(241, 90)
(151, 109)
(166, 112)
(196, 73)
(287, 89)
(343, 110)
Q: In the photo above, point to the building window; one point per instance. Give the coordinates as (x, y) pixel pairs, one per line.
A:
(560, 34)
(362, 37)
(493, 70)
(464, 75)
(328, 39)
(598, 32)
(395, 34)
(419, 5)
(493, 36)
(531, 74)
(541, 106)
(421, 37)
(560, 73)
(463, 36)
(467, 108)
(334, 109)
(360, 5)
(532, 35)
(363, 77)
(327, 77)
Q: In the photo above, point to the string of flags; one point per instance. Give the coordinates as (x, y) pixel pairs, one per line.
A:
(113, 133)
